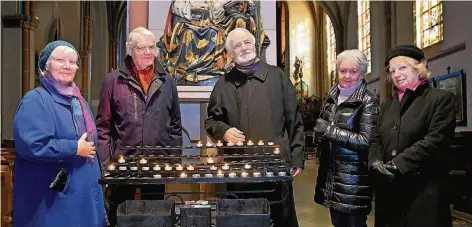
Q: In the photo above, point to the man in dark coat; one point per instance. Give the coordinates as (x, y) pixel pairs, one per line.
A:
(409, 148)
(256, 101)
(139, 106)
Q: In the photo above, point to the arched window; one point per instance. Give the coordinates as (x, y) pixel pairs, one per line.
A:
(363, 15)
(428, 22)
(331, 44)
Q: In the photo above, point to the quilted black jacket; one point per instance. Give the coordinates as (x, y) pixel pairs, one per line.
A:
(343, 182)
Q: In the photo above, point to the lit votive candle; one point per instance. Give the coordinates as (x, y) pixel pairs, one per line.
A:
(183, 175)
(179, 168)
(225, 167)
(210, 160)
(239, 143)
(156, 168)
(230, 144)
(121, 160)
(199, 144)
(133, 168)
(220, 174)
(270, 143)
(208, 175)
(250, 143)
(213, 168)
(232, 175)
(277, 151)
(282, 174)
(196, 175)
(168, 168)
(219, 143)
(190, 168)
(244, 174)
(247, 166)
(111, 167)
(157, 176)
(122, 168)
(256, 174)
(260, 143)
(270, 174)
(143, 161)
(145, 168)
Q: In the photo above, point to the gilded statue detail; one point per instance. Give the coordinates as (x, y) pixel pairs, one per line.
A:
(192, 47)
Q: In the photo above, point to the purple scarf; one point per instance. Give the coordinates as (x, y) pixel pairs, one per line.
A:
(72, 91)
(250, 68)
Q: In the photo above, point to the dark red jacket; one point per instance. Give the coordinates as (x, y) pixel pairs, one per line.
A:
(128, 117)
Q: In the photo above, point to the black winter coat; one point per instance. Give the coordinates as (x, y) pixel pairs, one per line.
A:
(415, 135)
(343, 182)
(263, 106)
(128, 117)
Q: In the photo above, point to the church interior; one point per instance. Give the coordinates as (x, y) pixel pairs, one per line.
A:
(302, 38)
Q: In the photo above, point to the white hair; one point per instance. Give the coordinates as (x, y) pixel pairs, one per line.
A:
(357, 56)
(139, 31)
(228, 46)
(58, 49)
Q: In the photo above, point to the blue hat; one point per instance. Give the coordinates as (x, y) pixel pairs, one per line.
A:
(46, 52)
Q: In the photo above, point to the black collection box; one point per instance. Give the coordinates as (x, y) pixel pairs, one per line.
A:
(146, 213)
(195, 216)
(243, 213)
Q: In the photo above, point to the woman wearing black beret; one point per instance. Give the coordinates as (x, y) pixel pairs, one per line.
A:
(409, 147)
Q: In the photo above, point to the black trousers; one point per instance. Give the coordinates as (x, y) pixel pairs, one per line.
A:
(283, 214)
(121, 193)
(339, 219)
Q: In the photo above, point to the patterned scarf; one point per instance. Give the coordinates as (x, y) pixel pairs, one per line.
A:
(250, 68)
(143, 76)
(72, 91)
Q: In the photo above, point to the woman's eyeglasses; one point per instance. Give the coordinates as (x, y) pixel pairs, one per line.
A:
(64, 62)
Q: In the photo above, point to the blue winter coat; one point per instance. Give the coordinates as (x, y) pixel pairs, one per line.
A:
(46, 141)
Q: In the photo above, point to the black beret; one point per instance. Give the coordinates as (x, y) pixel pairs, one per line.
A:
(407, 51)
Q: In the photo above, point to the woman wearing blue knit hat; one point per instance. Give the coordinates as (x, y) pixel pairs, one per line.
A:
(56, 169)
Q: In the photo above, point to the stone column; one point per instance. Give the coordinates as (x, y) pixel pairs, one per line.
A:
(85, 51)
(18, 71)
(138, 14)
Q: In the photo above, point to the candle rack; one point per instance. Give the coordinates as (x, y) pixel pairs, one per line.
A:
(260, 167)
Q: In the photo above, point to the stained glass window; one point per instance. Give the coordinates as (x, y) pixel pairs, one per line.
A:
(331, 44)
(428, 22)
(363, 15)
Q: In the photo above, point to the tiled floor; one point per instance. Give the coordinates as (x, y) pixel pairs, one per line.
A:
(311, 214)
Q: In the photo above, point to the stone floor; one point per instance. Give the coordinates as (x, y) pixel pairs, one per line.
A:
(311, 214)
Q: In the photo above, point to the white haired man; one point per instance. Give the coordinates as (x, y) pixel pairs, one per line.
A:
(257, 101)
(139, 106)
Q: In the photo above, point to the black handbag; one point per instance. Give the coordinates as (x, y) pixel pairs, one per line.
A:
(58, 183)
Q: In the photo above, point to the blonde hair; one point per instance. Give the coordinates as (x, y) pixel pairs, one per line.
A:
(420, 66)
(139, 31)
(357, 56)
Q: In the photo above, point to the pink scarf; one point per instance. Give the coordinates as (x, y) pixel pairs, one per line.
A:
(412, 87)
(73, 91)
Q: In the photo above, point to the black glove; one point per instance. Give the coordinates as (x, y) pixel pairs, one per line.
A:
(390, 166)
(321, 126)
(380, 167)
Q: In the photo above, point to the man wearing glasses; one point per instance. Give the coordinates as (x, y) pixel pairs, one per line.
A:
(139, 106)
